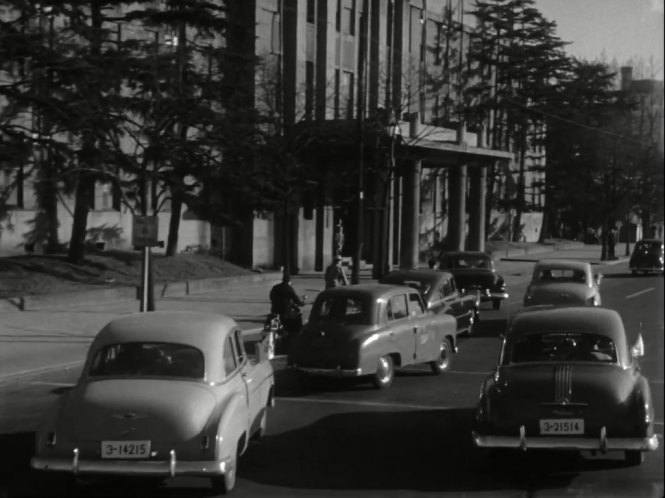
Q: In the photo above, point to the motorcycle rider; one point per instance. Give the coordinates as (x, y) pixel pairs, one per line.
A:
(285, 303)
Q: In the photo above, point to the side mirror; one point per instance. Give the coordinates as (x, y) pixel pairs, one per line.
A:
(637, 350)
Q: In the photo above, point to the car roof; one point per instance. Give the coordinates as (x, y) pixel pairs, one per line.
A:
(543, 319)
(563, 263)
(428, 275)
(201, 330)
(371, 290)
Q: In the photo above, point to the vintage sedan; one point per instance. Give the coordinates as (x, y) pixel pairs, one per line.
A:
(567, 380)
(161, 394)
(563, 282)
(440, 293)
(474, 271)
(647, 257)
(369, 330)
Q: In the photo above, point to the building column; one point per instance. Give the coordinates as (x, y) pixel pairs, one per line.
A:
(477, 191)
(456, 208)
(409, 250)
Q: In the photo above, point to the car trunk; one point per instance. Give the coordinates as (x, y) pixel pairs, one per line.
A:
(326, 344)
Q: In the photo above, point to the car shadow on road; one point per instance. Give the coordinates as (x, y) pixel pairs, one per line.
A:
(488, 327)
(421, 450)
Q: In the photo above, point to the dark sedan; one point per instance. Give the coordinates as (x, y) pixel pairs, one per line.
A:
(647, 257)
(474, 271)
(440, 293)
(567, 380)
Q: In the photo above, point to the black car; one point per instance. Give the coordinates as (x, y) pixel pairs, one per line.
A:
(474, 271)
(440, 293)
(647, 257)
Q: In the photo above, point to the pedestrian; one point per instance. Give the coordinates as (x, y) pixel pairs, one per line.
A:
(335, 275)
(285, 302)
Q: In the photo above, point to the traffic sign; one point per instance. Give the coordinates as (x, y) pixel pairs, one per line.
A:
(144, 231)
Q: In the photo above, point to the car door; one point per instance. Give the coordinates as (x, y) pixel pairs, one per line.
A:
(461, 305)
(235, 381)
(249, 375)
(401, 329)
(423, 328)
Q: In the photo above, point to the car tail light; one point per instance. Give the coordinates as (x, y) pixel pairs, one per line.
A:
(50, 439)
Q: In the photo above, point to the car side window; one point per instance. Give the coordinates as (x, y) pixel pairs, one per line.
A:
(397, 307)
(415, 305)
(230, 363)
(239, 346)
(446, 288)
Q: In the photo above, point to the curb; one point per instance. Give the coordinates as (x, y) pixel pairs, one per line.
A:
(111, 294)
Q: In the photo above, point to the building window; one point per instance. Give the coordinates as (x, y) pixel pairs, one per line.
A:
(346, 92)
(337, 90)
(349, 18)
(311, 11)
(276, 33)
(338, 15)
(309, 90)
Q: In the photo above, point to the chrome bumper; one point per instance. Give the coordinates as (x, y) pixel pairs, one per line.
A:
(602, 443)
(493, 295)
(170, 468)
(331, 372)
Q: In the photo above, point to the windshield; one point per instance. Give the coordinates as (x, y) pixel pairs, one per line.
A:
(562, 346)
(469, 262)
(148, 359)
(339, 309)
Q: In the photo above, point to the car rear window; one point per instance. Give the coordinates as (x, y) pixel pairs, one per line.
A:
(469, 262)
(562, 346)
(156, 359)
(557, 275)
(344, 309)
(648, 247)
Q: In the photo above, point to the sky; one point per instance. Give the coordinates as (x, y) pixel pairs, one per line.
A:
(610, 29)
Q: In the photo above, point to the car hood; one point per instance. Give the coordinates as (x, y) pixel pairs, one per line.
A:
(594, 384)
(558, 293)
(166, 410)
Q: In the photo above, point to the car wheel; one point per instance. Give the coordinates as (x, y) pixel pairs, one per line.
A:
(496, 304)
(225, 483)
(385, 373)
(634, 457)
(443, 360)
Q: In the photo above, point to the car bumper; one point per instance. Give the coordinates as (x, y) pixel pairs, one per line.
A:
(491, 296)
(649, 269)
(601, 443)
(170, 468)
(330, 372)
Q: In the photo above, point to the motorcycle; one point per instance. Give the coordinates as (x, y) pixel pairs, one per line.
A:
(280, 330)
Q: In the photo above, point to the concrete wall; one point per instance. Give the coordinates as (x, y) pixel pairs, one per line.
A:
(114, 228)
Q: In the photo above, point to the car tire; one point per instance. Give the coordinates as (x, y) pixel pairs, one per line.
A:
(496, 304)
(444, 358)
(634, 457)
(225, 483)
(385, 373)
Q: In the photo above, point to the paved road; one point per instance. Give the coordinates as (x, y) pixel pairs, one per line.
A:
(343, 439)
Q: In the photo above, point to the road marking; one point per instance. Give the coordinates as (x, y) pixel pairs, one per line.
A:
(631, 296)
(34, 371)
(405, 406)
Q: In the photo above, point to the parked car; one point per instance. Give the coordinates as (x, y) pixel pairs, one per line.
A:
(475, 271)
(370, 329)
(647, 257)
(567, 380)
(563, 282)
(440, 293)
(161, 394)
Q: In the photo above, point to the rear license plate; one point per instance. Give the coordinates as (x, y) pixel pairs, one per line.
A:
(125, 449)
(562, 426)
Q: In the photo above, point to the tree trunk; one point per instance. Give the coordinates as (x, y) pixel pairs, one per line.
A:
(174, 221)
(84, 195)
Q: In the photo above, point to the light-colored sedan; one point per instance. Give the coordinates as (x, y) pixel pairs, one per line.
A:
(161, 394)
(563, 282)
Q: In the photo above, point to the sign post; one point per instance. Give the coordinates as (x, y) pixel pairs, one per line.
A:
(145, 235)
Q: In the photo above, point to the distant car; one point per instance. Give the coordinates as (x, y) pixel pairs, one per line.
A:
(647, 257)
(567, 380)
(475, 271)
(563, 282)
(440, 293)
(161, 394)
(368, 330)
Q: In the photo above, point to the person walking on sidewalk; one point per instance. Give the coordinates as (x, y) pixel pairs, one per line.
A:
(335, 275)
